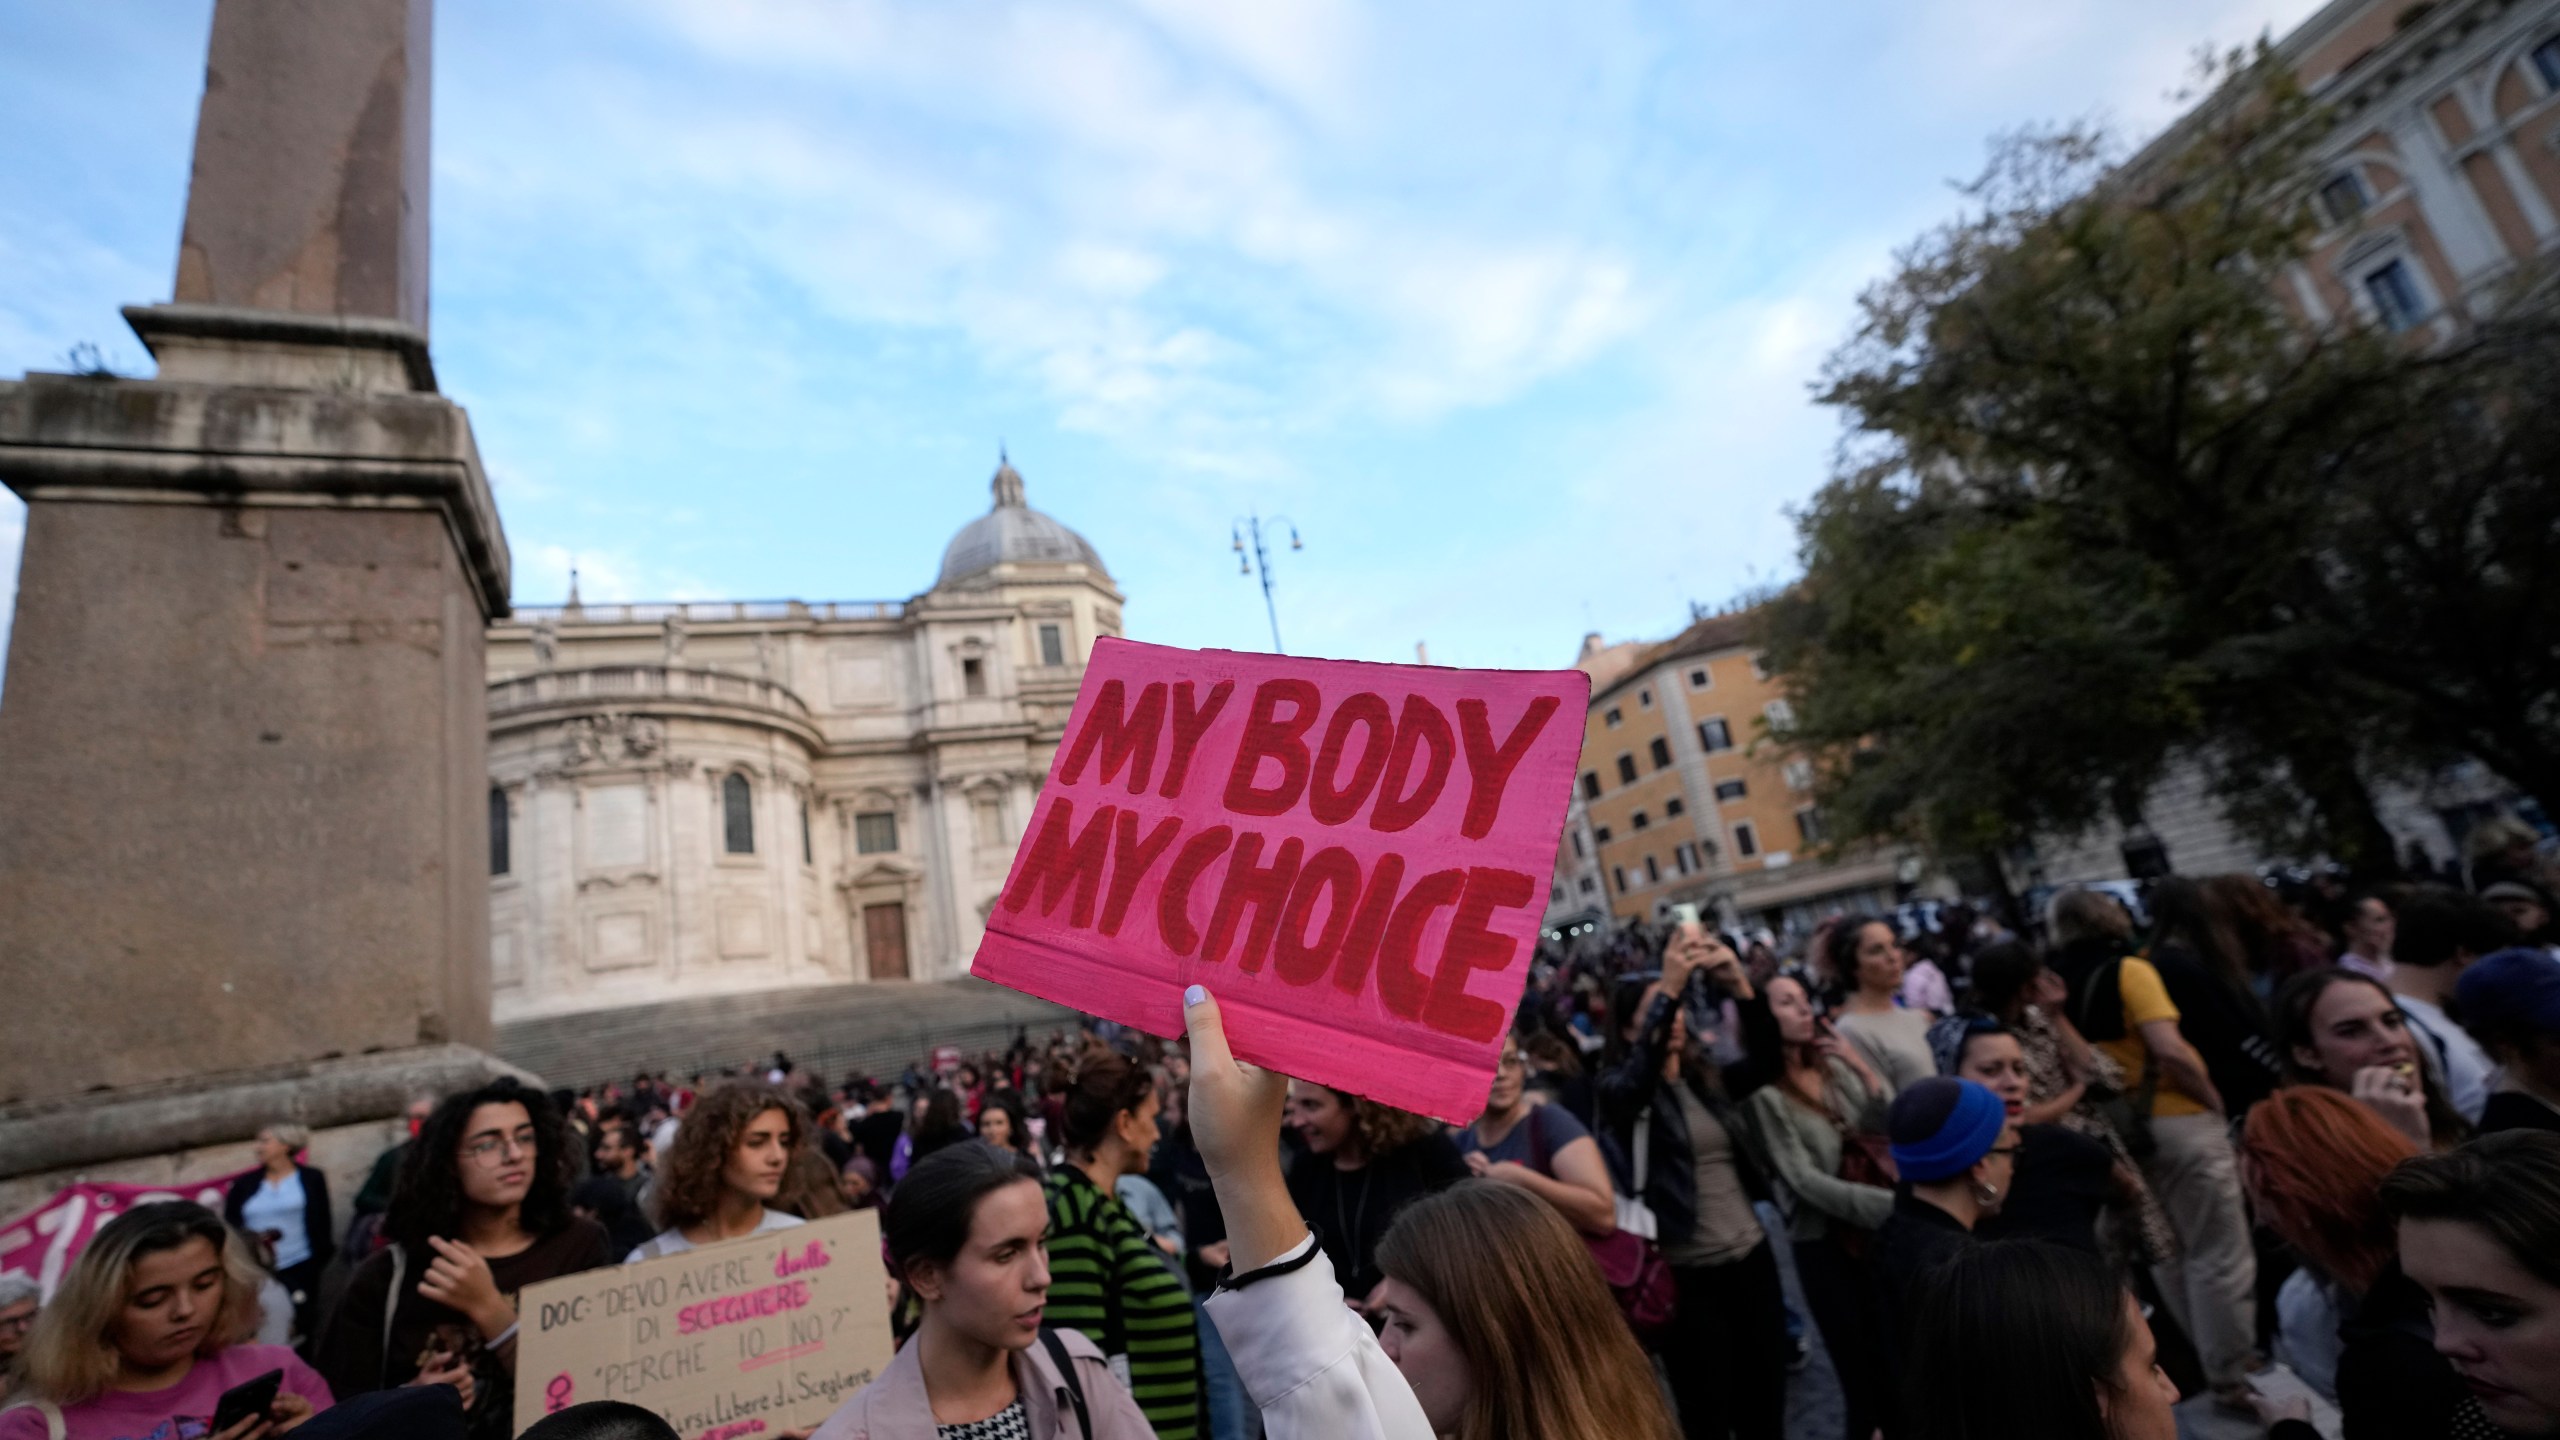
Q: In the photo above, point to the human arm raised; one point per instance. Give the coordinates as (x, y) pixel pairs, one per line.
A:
(1309, 1362)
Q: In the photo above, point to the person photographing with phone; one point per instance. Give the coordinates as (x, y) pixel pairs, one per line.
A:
(1673, 1114)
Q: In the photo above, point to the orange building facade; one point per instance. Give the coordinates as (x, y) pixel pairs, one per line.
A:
(1682, 797)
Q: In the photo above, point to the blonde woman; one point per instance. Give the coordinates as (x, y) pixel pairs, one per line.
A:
(144, 1336)
(284, 1204)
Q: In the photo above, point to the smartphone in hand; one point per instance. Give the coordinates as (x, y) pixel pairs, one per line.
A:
(248, 1398)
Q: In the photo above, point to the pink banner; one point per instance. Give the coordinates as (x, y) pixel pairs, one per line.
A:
(1354, 858)
(44, 1241)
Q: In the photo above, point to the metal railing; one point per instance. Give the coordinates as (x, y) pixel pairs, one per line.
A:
(711, 611)
(608, 683)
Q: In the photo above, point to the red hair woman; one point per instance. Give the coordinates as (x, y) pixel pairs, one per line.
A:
(2314, 1162)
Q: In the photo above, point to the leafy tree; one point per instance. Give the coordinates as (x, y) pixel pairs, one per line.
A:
(2107, 504)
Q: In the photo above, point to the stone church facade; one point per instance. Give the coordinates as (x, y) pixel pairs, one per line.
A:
(709, 798)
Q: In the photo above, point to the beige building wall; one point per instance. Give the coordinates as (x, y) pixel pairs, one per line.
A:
(716, 797)
(2437, 179)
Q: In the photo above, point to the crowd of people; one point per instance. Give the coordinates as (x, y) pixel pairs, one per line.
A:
(2292, 1156)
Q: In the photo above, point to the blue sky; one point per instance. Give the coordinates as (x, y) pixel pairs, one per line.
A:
(1511, 307)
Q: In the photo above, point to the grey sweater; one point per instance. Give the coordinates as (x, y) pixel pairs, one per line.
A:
(1803, 1149)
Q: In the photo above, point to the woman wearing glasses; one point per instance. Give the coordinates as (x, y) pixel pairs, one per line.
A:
(480, 1210)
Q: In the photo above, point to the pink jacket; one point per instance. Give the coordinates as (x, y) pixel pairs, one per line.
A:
(894, 1406)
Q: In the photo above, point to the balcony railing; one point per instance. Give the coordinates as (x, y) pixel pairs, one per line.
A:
(625, 684)
(711, 611)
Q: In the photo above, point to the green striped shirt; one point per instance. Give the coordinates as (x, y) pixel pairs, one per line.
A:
(1107, 1279)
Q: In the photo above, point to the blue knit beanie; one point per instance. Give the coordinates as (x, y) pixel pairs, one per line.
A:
(2521, 985)
(1940, 1127)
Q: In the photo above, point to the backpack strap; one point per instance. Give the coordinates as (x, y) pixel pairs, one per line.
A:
(1066, 1364)
(1644, 1148)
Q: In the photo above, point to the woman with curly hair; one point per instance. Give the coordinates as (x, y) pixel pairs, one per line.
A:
(732, 1153)
(1365, 1162)
(480, 1210)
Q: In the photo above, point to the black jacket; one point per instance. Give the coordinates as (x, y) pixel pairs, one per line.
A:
(1635, 1084)
(315, 1208)
(2391, 1381)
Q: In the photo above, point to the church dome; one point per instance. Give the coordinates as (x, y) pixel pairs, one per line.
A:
(1012, 533)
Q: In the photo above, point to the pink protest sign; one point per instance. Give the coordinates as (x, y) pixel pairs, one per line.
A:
(42, 1243)
(1352, 857)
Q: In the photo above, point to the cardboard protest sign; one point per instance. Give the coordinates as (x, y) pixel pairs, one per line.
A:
(748, 1337)
(1353, 858)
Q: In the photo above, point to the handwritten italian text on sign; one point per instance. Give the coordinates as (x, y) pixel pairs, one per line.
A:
(1352, 857)
(749, 1337)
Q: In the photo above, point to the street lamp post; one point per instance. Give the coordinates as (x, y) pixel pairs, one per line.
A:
(1261, 561)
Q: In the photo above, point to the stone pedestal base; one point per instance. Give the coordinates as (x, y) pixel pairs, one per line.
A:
(243, 759)
(182, 1132)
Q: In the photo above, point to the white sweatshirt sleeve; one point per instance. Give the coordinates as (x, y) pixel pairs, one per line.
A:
(1309, 1362)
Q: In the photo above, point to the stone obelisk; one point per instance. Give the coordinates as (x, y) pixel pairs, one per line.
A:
(243, 779)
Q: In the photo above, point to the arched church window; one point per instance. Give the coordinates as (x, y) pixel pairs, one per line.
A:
(738, 815)
(499, 860)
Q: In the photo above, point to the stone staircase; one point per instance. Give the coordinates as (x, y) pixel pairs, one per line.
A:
(878, 1029)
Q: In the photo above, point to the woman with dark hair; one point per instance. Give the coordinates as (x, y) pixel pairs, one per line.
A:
(2063, 1178)
(933, 1121)
(2028, 1339)
(1364, 1163)
(1956, 1150)
(2479, 1231)
(2067, 1080)
(812, 1187)
(2315, 1162)
(1002, 1123)
(147, 1330)
(1867, 959)
(963, 1236)
(1820, 1122)
(1667, 1107)
(723, 1175)
(2206, 971)
(480, 1210)
(1108, 1279)
(2345, 1030)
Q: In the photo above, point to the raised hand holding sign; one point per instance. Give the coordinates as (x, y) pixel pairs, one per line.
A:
(1353, 856)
